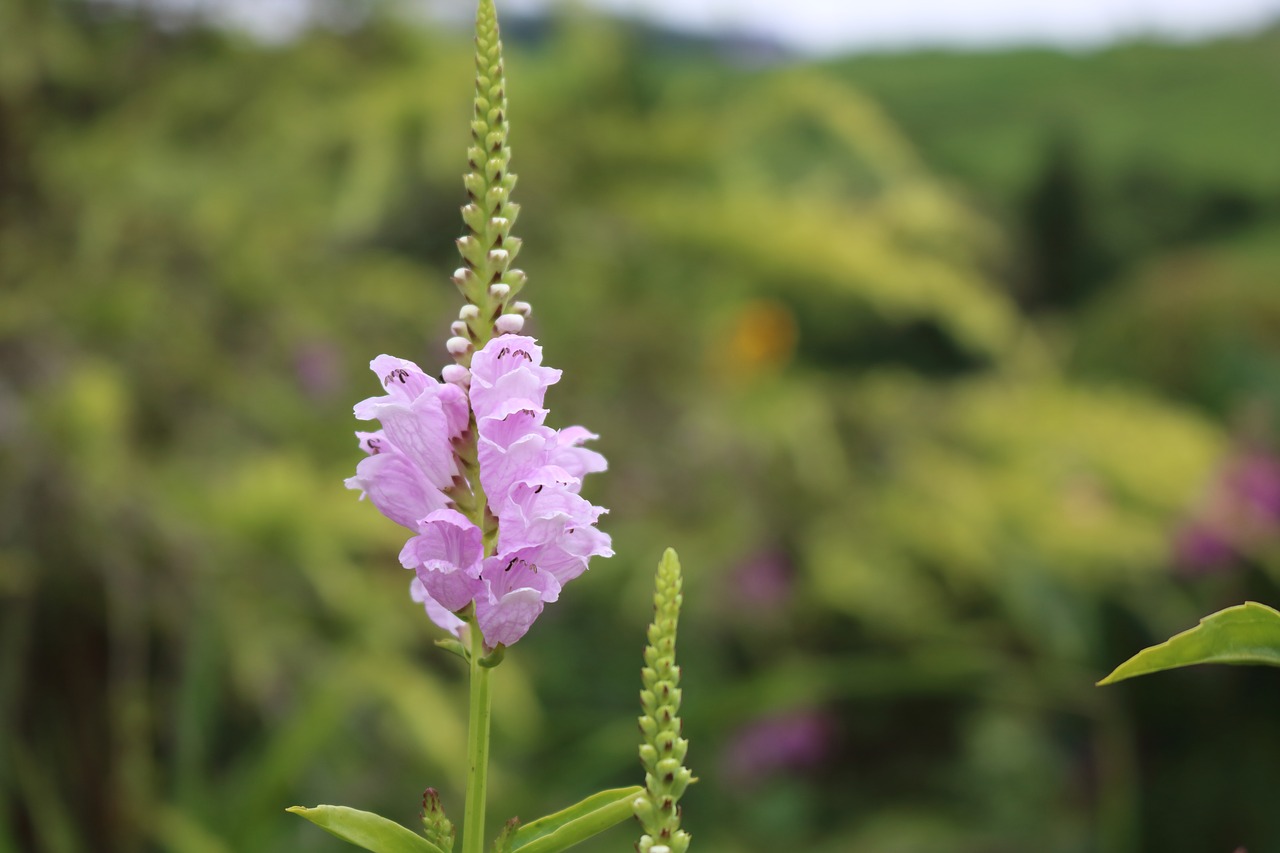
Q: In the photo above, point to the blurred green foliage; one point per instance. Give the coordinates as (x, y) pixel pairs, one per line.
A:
(911, 503)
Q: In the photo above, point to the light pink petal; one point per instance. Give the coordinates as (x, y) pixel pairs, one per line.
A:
(578, 461)
(567, 556)
(516, 591)
(402, 380)
(453, 401)
(507, 620)
(435, 610)
(520, 389)
(541, 507)
(510, 450)
(419, 415)
(421, 430)
(509, 367)
(447, 557)
(396, 487)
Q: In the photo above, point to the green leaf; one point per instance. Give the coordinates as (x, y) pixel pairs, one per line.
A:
(1244, 634)
(562, 830)
(365, 829)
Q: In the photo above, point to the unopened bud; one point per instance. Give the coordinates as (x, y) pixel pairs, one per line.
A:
(456, 374)
(524, 309)
(458, 346)
(462, 274)
(499, 291)
(435, 826)
(499, 223)
(459, 328)
(498, 256)
(509, 324)
(469, 312)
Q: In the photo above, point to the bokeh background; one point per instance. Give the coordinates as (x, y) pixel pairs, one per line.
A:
(953, 376)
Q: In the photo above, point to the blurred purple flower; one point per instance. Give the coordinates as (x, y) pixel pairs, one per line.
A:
(317, 367)
(1198, 548)
(763, 581)
(1239, 515)
(798, 741)
(1255, 479)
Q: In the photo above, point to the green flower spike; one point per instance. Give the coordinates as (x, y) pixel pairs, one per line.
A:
(487, 280)
(662, 751)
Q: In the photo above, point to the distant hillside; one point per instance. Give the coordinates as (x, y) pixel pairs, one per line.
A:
(1209, 112)
(1095, 160)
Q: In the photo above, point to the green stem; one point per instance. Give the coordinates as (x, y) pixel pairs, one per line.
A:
(477, 747)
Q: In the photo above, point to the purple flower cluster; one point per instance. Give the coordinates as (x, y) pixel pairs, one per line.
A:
(797, 741)
(1238, 516)
(530, 475)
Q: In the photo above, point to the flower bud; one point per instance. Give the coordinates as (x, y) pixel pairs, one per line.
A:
(498, 256)
(499, 291)
(509, 324)
(459, 328)
(522, 308)
(435, 825)
(456, 374)
(458, 346)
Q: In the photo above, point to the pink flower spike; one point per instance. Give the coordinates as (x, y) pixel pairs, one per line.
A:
(530, 474)
(447, 558)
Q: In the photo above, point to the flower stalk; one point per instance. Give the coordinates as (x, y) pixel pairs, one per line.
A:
(466, 462)
(662, 749)
(477, 746)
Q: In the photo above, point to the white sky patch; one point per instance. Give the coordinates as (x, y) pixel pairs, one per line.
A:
(828, 25)
(831, 25)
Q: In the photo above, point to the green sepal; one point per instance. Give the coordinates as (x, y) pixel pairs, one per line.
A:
(562, 830)
(1248, 633)
(451, 644)
(365, 829)
(494, 657)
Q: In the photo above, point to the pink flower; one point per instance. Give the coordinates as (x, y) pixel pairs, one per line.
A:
(446, 555)
(411, 458)
(531, 475)
(508, 376)
(516, 589)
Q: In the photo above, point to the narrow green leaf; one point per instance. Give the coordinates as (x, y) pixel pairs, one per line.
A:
(365, 829)
(1248, 633)
(562, 830)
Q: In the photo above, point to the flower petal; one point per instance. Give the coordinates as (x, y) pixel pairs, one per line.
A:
(447, 557)
(435, 609)
(396, 486)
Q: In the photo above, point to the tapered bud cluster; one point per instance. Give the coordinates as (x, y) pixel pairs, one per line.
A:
(435, 826)
(487, 280)
(662, 749)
